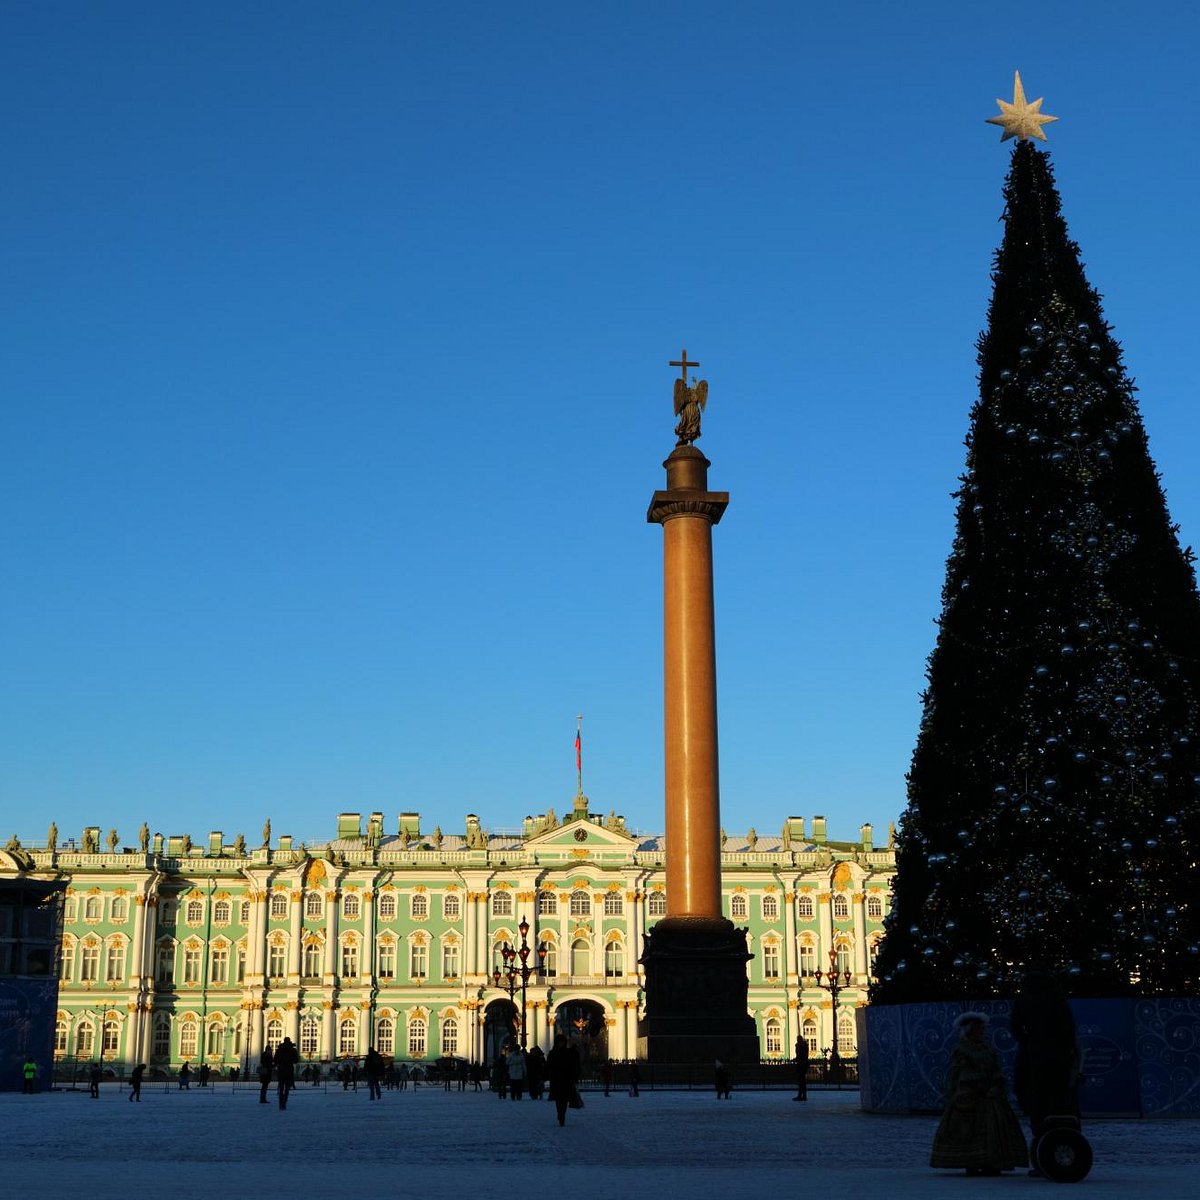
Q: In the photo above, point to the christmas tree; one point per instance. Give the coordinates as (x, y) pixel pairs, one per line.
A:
(1053, 816)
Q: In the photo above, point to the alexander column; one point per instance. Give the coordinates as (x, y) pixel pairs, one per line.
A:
(695, 959)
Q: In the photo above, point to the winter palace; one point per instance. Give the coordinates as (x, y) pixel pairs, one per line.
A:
(174, 951)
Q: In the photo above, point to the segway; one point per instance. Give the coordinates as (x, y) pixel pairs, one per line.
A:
(1061, 1152)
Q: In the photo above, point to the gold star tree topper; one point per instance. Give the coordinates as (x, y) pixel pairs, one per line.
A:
(1021, 119)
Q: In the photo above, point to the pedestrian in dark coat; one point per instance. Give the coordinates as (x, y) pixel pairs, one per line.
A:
(606, 1075)
(801, 1068)
(373, 1068)
(185, 1078)
(1046, 1077)
(724, 1081)
(266, 1065)
(94, 1081)
(286, 1058)
(204, 1073)
(135, 1082)
(562, 1072)
(535, 1072)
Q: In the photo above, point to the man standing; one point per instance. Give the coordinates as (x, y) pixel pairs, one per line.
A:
(373, 1068)
(562, 1071)
(29, 1074)
(801, 1068)
(285, 1069)
(94, 1081)
(265, 1066)
(135, 1082)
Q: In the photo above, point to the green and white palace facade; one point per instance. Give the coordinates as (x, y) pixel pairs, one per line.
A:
(174, 951)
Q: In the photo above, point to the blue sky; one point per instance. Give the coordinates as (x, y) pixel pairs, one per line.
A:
(334, 344)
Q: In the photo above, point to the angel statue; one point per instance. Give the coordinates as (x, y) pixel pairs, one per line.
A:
(689, 404)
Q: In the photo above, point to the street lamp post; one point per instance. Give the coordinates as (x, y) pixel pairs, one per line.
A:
(516, 967)
(834, 981)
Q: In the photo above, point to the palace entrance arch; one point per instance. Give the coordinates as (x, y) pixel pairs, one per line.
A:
(582, 1023)
(500, 1025)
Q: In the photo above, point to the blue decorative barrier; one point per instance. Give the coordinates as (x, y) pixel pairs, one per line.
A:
(1140, 1057)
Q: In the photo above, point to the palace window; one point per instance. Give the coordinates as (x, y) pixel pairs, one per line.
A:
(418, 960)
(166, 912)
(222, 912)
(873, 952)
(312, 960)
(656, 904)
(614, 904)
(449, 1036)
(89, 964)
(614, 960)
(349, 960)
(71, 910)
(739, 907)
(218, 965)
(160, 1045)
(770, 907)
(449, 960)
(85, 1036)
(119, 910)
(279, 906)
(809, 1032)
(114, 967)
(216, 1038)
(92, 908)
(314, 906)
(547, 904)
(502, 904)
(498, 954)
(60, 1037)
(451, 908)
(770, 951)
(385, 1035)
(846, 1033)
(843, 959)
(806, 910)
(385, 960)
(387, 906)
(875, 907)
(241, 964)
(581, 904)
(581, 957)
(808, 959)
(418, 906)
(773, 1036)
(416, 1038)
(274, 1033)
(310, 1036)
(348, 1037)
(110, 1038)
(550, 960)
(841, 908)
(194, 913)
(191, 964)
(189, 1039)
(277, 960)
(244, 912)
(164, 967)
(66, 961)
(351, 906)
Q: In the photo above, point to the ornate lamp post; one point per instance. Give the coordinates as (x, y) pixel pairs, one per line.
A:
(834, 981)
(516, 967)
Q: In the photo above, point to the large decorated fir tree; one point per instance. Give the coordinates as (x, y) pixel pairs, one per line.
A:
(1053, 814)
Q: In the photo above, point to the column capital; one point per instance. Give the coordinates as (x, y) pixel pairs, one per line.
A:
(665, 506)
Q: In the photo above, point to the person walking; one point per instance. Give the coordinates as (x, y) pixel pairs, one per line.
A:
(515, 1061)
(477, 1076)
(562, 1072)
(203, 1074)
(135, 1082)
(402, 1077)
(801, 1068)
(316, 1074)
(978, 1130)
(185, 1078)
(286, 1058)
(373, 1068)
(266, 1066)
(724, 1081)
(535, 1072)
(635, 1079)
(29, 1074)
(500, 1075)
(94, 1081)
(606, 1075)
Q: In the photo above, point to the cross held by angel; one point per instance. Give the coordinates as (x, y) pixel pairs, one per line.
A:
(689, 402)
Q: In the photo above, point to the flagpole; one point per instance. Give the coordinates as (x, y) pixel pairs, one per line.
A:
(579, 753)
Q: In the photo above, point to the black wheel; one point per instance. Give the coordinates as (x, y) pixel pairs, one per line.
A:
(1063, 1155)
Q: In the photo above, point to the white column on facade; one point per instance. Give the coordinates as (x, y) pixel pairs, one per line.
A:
(824, 929)
(328, 1049)
(631, 1028)
(258, 934)
(791, 964)
(295, 950)
(483, 966)
(859, 900)
(636, 903)
(367, 966)
(332, 907)
(468, 942)
(256, 1034)
(619, 1031)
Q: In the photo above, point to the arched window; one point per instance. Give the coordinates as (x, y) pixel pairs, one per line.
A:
(60, 1037)
(808, 1031)
(222, 912)
(547, 904)
(843, 959)
(418, 960)
(449, 1035)
(279, 906)
(348, 1037)
(773, 1037)
(194, 913)
(581, 957)
(875, 907)
(119, 910)
(385, 1035)
(114, 966)
(581, 904)
(841, 907)
(498, 953)
(450, 906)
(164, 965)
(160, 1044)
(656, 904)
(770, 907)
(614, 904)
(89, 962)
(418, 906)
(806, 910)
(276, 959)
(110, 1038)
(310, 1037)
(216, 1039)
(244, 912)
(416, 1038)
(502, 904)
(218, 964)
(274, 1032)
(614, 960)
(808, 958)
(312, 960)
(350, 959)
(351, 906)
(314, 906)
(846, 1034)
(71, 910)
(549, 960)
(92, 908)
(385, 960)
(85, 1039)
(770, 960)
(873, 952)
(66, 962)
(450, 958)
(739, 908)
(387, 906)
(189, 1039)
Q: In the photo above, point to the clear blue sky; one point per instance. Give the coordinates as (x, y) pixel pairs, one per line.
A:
(334, 345)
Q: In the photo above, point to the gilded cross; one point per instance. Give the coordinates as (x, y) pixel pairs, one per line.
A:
(683, 365)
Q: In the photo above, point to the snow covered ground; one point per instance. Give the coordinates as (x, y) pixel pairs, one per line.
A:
(440, 1144)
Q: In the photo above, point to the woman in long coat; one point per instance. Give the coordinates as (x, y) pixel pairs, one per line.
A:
(978, 1129)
